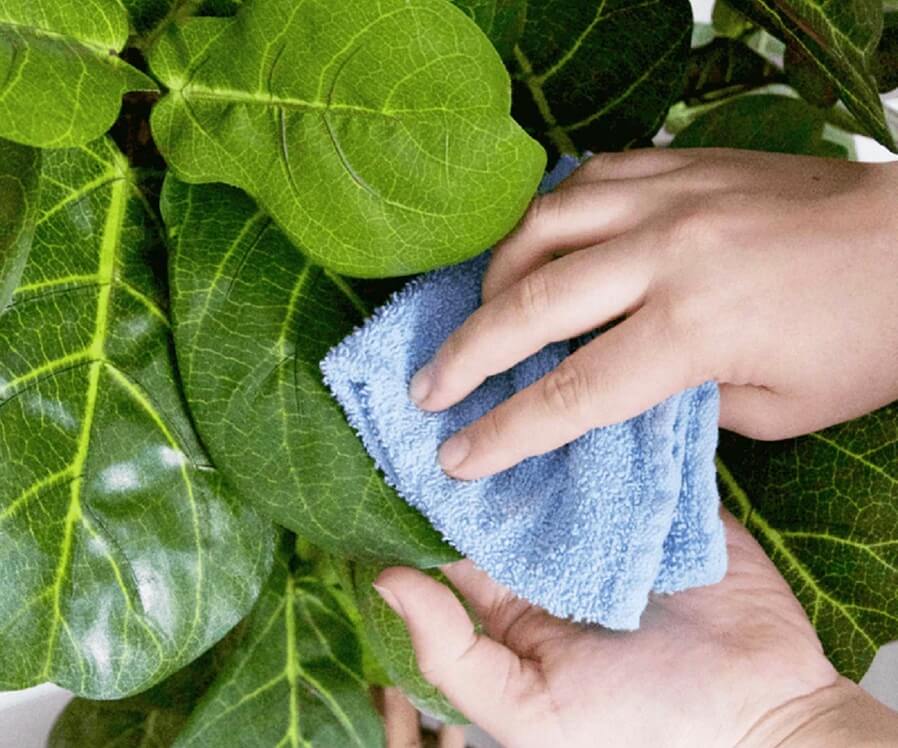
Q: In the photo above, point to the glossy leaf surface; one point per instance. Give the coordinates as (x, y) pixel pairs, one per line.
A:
(61, 81)
(253, 319)
(19, 190)
(600, 75)
(377, 135)
(296, 679)
(125, 556)
(825, 508)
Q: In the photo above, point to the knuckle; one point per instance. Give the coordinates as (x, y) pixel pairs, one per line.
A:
(567, 389)
(541, 211)
(532, 295)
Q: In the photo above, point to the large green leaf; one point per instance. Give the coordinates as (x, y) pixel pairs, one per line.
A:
(601, 74)
(841, 38)
(253, 318)
(296, 678)
(125, 557)
(825, 508)
(388, 638)
(501, 20)
(377, 135)
(152, 719)
(61, 81)
(762, 122)
(19, 190)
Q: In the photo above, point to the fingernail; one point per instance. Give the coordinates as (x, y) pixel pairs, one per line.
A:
(390, 599)
(453, 451)
(421, 384)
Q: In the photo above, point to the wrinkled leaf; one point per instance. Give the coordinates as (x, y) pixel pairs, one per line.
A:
(296, 678)
(389, 640)
(61, 81)
(825, 508)
(19, 190)
(602, 74)
(762, 122)
(501, 20)
(724, 68)
(125, 555)
(253, 318)
(377, 135)
(841, 38)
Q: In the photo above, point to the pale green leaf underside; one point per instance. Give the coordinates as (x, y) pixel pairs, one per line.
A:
(825, 508)
(296, 679)
(600, 75)
(125, 557)
(841, 38)
(253, 318)
(388, 638)
(377, 134)
(19, 190)
(61, 80)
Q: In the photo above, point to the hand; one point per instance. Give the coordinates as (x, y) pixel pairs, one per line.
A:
(774, 275)
(737, 663)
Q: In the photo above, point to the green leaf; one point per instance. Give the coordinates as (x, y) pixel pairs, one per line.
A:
(602, 74)
(126, 556)
(841, 38)
(501, 20)
(825, 508)
(886, 60)
(729, 22)
(804, 75)
(253, 318)
(723, 68)
(61, 81)
(377, 135)
(152, 719)
(19, 191)
(296, 678)
(389, 640)
(762, 122)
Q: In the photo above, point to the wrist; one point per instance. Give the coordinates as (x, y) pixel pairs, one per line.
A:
(842, 714)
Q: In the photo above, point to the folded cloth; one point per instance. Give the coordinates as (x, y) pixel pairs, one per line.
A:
(586, 531)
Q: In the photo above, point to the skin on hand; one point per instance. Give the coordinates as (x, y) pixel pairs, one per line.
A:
(733, 664)
(773, 275)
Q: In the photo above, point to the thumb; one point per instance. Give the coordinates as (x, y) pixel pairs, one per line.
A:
(481, 678)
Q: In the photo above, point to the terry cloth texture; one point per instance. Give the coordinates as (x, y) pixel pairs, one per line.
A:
(586, 531)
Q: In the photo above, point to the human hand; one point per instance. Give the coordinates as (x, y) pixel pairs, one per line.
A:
(774, 275)
(733, 664)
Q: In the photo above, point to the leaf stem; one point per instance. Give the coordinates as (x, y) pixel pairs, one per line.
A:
(560, 139)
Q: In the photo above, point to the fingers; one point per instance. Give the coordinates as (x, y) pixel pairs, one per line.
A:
(468, 668)
(401, 724)
(636, 164)
(615, 377)
(561, 300)
(608, 195)
(566, 220)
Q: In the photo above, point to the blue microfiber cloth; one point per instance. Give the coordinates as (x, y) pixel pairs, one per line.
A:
(586, 531)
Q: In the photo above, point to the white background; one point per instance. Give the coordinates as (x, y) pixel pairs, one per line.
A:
(26, 716)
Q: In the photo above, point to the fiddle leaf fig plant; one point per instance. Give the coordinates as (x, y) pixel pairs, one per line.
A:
(198, 198)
